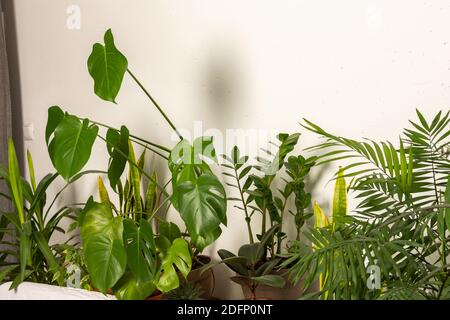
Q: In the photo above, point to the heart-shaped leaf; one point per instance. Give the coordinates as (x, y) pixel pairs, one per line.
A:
(106, 260)
(105, 253)
(107, 66)
(71, 146)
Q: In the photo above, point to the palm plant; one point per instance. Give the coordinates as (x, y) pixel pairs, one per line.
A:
(401, 221)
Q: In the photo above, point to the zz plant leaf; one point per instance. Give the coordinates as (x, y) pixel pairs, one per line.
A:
(107, 66)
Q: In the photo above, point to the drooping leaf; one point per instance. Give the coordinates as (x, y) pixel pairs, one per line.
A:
(107, 66)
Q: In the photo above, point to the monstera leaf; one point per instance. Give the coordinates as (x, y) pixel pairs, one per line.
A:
(70, 142)
(200, 197)
(202, 205)
(179, 256)
(107, 66)
(141, 250)
(128, 288)
(105, 253)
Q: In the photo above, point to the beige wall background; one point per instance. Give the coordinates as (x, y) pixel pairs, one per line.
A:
(357, 67)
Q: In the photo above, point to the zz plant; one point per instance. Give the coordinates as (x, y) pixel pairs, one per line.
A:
(256, 262)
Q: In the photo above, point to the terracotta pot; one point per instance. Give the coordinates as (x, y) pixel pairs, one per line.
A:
(263, 292)
(157, 295)
(206, 280)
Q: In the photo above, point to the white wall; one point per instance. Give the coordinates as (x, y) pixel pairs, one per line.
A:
(357, 67)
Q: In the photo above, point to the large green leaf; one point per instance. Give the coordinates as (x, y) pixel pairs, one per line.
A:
(141, 250)
(55, 116)
(202, 205)
(107, 66)
(179, 256)
(128, 288)
(117, 145)
(71, 146)
(105, 253)
(106, 260)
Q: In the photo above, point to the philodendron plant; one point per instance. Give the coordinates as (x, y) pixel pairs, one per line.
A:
(197, 194)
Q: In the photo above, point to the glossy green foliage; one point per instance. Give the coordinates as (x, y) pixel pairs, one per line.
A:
(107, 66)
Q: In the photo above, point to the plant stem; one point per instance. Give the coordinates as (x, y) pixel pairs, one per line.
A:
(247, 217)
(136, 165)
(134, 137)
(155, 104)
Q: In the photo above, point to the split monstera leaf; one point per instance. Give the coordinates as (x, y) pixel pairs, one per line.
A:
(122, 252)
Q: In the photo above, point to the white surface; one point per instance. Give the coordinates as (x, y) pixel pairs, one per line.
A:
(356, 67)
(37, 291)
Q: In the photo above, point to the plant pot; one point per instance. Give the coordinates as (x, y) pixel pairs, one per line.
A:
(206, 280)
(263, 292)
(157, 295)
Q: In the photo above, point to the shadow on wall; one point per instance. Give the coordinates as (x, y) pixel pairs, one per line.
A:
(224, 83)
(14, 77)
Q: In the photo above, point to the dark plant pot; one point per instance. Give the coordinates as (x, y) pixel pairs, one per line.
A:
(263, 292)
(206, 280)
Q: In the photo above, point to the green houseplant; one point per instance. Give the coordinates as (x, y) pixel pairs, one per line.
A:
(26, 231)
(400, 224)
(257, 262)
(197, 194)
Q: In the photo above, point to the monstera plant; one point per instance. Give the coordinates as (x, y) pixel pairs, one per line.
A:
(197, 193)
